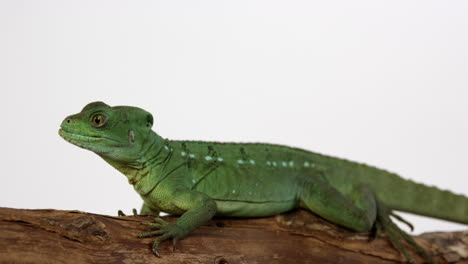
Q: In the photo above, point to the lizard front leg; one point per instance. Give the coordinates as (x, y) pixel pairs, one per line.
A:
(198, 208)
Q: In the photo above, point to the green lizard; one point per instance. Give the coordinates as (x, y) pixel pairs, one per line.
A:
(200, 180)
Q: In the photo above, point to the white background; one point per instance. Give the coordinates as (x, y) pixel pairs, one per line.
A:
(380, 82)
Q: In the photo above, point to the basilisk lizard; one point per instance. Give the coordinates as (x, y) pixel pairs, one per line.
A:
(200, 180)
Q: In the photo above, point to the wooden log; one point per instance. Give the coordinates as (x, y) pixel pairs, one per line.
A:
(54, 236)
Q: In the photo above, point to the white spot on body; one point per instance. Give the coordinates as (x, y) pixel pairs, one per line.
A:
(268, 163)
(252, 162)
(284, 164)
(220, 159)
(191, 155)
(240, 161)
(183, 153)
(306, 164)
(166, 147)
(208, 157)
(291, 164)
(233, 191)
(193, 180)
(274, 163)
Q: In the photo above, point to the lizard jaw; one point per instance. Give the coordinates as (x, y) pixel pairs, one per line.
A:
(94, 143)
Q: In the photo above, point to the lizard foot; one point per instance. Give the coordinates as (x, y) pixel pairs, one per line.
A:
(121, 213)
(396, 235)
(165, 230)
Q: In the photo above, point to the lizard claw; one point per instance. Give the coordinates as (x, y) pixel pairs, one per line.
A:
(165, 230)
(156, 252)
(121, 213)
(375, 232)
(396, 235)
(174, 244)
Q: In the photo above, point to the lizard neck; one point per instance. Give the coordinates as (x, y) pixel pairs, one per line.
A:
(152, 156)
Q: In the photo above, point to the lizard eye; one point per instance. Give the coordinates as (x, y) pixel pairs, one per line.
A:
(98, 120)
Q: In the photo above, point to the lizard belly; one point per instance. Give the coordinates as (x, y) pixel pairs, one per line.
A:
(233, 208)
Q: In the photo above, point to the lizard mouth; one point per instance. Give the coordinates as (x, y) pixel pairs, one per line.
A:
(95, 143)
(70, 136)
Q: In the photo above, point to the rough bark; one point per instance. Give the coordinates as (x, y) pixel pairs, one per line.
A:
(53, 236)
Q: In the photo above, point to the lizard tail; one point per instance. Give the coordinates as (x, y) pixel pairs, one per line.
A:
(408, 196)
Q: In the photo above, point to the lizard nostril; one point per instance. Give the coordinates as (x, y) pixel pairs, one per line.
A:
(68, 121)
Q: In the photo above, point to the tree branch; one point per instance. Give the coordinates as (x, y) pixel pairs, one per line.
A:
(53, 236)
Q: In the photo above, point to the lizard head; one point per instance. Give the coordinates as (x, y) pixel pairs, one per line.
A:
(118, 132)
